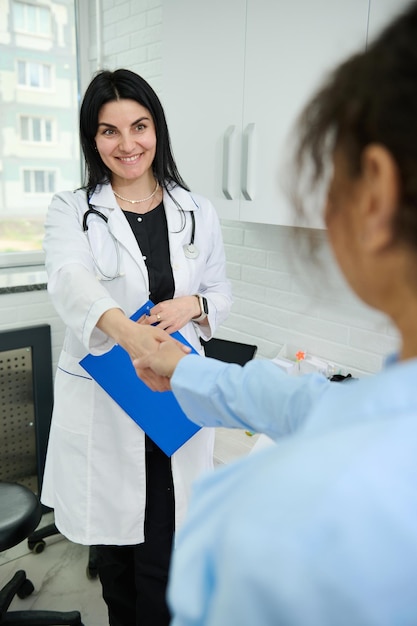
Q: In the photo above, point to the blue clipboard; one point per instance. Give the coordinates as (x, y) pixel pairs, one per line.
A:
(158, 414)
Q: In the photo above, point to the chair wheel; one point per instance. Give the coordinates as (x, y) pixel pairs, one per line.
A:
(91, 572)
(26, 589)
(37, 546)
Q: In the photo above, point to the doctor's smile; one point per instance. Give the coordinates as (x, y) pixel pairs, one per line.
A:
(129, 159)
(126, 142)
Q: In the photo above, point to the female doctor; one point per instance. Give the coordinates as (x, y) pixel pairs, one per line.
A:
(133, 233)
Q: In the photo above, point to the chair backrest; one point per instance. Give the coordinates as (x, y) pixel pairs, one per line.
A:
(229, 351)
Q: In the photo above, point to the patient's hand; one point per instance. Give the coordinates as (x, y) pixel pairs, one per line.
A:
(156, 368)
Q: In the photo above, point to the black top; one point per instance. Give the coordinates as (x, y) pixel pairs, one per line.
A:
(151, 232)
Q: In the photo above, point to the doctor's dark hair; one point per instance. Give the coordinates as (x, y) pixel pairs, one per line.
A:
(107, 86)
(369, 99)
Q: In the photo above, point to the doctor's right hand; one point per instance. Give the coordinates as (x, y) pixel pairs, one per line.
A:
(139, 341)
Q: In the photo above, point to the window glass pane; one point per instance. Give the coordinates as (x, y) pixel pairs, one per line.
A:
(39, 182)
(18, 16)
(31, 18)
(34, 78)
(51, 182)
(44, 21)
(48, 130)
(37, 130)
(38, 103)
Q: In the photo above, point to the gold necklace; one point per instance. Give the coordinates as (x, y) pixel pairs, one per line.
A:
(138, 201)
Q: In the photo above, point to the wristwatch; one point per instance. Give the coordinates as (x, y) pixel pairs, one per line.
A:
(203, 308)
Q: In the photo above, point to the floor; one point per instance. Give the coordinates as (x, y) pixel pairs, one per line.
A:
(59, 573)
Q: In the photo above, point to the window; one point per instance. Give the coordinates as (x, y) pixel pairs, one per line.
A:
(36, 75)
(35, 129)
(39, 102)
(38, 181)
(32, 19)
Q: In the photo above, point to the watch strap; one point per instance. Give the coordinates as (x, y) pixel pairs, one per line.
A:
(203, 308)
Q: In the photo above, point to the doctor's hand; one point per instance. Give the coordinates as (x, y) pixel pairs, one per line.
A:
(172, 315)
(138, 340)
(156, 368)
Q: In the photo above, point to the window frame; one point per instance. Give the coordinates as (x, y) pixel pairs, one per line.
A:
(25, 29)
(36, 258)
(33, 171)
(40, 65)
(44, 122)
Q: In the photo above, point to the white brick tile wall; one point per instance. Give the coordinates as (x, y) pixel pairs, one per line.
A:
(299, 303)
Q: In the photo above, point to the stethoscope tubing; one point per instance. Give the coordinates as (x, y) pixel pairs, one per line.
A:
(92, 211)
(190, 249)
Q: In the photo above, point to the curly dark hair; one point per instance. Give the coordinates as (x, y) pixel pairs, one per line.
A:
(107, 86)
(370, 98)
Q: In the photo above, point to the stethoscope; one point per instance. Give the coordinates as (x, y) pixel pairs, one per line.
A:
(104, 276)
(190, 249)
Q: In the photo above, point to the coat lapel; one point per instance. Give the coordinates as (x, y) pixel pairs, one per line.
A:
(103, 198)
(179, 223)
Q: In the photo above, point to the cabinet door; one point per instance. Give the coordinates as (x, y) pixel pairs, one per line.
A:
(289, 49)
(203, 63)
(382, 12)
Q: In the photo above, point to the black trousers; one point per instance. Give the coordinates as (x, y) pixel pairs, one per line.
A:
(134, 578)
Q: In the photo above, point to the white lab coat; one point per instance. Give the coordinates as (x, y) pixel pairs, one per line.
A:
(95, 468)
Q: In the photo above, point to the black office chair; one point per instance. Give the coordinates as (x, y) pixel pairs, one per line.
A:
(20, 513)
(229, 351)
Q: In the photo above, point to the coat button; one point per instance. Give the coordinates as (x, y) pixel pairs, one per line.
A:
(139, 219)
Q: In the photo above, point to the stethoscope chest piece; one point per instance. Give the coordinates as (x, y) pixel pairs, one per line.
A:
(191, 251)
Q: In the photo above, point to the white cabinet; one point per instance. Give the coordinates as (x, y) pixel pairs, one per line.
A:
(235, 74)
(203, 73)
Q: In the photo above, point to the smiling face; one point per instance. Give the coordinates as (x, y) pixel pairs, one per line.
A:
(126, 140)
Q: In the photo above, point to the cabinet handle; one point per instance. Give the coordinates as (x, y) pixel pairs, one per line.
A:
(248, 162)
(227, 161)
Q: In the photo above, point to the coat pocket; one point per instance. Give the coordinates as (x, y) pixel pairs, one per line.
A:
(74, 395)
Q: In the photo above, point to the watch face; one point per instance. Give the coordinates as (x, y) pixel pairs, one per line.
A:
(205, 305)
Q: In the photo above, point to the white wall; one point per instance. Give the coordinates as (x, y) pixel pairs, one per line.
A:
(279, 297)
(282, 297)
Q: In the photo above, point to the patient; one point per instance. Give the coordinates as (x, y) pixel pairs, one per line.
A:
(321, 529)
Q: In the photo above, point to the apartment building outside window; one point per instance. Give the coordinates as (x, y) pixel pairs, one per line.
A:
(39, 100)
(37, 129)
(36, 75)
(31, 18)
(38, 181)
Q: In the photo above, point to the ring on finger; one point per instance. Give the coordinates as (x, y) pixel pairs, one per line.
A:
(158, 317)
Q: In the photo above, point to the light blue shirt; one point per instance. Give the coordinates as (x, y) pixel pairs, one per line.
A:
(318, 530)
